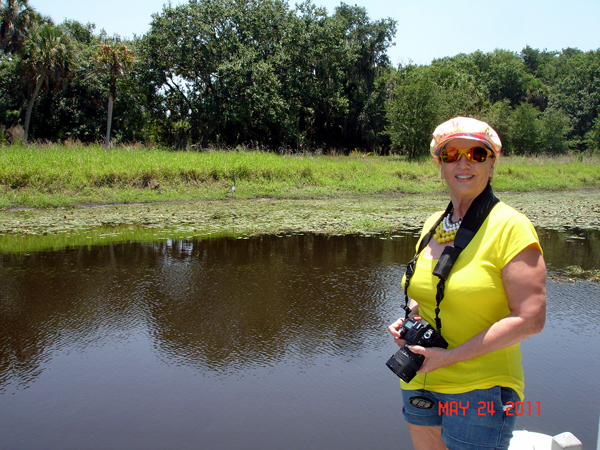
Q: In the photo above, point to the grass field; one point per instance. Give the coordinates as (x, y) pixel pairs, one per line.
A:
(56, 175)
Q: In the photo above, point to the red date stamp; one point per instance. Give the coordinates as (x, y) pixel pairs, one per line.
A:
(487, 408)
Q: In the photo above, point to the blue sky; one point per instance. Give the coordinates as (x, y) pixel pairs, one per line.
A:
(427, 29)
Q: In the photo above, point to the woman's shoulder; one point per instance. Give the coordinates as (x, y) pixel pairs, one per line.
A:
(503, 213)
(513, 231)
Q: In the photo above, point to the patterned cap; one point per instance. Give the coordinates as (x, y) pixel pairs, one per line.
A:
(464, 128)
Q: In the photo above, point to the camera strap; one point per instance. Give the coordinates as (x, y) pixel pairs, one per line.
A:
(474, 218)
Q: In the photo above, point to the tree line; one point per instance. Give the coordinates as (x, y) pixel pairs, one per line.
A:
(222, 73)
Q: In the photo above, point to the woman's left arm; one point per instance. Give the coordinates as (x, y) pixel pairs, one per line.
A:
(524, 280)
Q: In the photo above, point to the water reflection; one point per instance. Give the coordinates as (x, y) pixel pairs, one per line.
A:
(281, 338)
(574, 247)
(313, 294)
(215, 304)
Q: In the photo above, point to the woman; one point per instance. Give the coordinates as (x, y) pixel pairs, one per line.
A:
(494, 298)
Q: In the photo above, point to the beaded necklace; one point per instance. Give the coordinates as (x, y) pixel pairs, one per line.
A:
(446, 229)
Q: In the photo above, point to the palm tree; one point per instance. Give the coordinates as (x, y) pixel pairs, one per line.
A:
(115, 59)
(15, 17)
(48, 55)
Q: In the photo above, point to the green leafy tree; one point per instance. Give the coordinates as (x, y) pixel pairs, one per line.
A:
(77, 110)
(592, 137)
(523, 133)
(424, 96)
(575, 90)
(413, 111)
(372, 119)
(115, 59)
(554, 128)
(253, 71)
(318, 58)
(367, 42)
(15, 18)
(188, 54)
(12, 97)
(498, 115)
(47, 56)
(504, 75)
(462, 94)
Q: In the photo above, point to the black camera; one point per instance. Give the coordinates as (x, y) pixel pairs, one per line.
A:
(405, 363)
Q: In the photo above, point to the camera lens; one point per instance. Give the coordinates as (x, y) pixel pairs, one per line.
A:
(405, 363)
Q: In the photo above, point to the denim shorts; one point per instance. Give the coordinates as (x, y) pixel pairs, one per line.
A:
(474, 420)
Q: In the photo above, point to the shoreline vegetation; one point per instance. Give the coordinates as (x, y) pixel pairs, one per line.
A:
(53, 197)
(73, 175)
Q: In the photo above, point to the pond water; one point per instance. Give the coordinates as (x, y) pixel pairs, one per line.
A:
(261, 343)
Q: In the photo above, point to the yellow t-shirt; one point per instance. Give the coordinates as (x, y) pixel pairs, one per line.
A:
(474, 299)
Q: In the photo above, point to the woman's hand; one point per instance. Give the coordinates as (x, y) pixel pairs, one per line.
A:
(435, 357)
(394, 330)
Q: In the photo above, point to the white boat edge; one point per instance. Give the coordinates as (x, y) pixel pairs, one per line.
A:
(529, 440)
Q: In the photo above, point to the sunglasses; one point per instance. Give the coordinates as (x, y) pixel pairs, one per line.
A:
(475, 154)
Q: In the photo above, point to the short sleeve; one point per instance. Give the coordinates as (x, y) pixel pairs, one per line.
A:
(517, 234)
